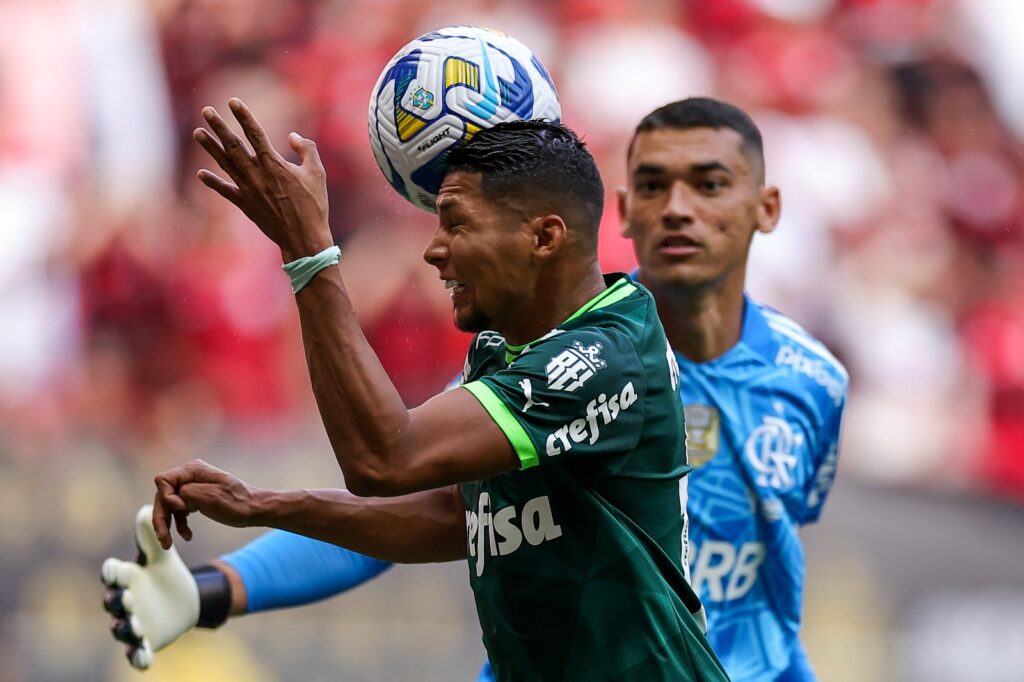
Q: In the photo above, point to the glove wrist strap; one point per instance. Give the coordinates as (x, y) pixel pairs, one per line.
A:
(214, 596)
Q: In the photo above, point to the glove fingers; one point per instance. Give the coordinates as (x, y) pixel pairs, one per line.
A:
(108, 571)
(113, 603)
(141, 656)
(126, 630)
(145, 535)
(117, 573)
(128, 601)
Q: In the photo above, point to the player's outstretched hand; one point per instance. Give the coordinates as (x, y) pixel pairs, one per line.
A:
(287, 201)
(198, 486)
(153, 600)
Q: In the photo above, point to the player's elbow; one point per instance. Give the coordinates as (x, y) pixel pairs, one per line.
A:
(364, 481)
(375, 481)
(378, 469)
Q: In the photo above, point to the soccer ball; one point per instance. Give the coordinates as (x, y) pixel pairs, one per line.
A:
(442, 88)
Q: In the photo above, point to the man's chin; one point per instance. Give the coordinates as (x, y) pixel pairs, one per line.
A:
(675, 275)
(471, 321)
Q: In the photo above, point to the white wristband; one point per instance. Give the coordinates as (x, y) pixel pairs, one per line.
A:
(302, 270)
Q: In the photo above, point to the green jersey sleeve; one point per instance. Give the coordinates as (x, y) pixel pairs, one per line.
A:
(574, 394)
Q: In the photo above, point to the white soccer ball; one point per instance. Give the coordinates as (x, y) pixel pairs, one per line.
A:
(439, 90)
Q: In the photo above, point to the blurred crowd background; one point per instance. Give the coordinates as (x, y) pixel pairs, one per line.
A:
(144, 321)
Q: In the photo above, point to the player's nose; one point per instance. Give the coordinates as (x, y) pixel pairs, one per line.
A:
(436, 253)
(678, 207)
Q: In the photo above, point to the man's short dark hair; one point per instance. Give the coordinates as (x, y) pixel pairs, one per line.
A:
(704, 112)
(539, 163)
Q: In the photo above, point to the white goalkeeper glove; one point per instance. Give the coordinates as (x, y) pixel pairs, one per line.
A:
(156, 599)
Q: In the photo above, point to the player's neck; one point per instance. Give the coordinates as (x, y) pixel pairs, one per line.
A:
(557, 297)
(702, 323)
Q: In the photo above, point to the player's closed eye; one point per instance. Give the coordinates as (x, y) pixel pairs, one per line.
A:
(648, 186)
(454, 224)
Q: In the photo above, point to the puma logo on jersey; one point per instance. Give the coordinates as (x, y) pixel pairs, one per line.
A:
(528, 392)
(501, 532)
(601, 411)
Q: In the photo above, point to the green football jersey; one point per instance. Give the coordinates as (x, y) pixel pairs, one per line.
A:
(576, 559)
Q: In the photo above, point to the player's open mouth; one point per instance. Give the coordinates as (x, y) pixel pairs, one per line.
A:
(455, 285)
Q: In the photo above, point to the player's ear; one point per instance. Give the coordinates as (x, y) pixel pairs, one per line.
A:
(549, 235)
(769, 209)
(622, 201)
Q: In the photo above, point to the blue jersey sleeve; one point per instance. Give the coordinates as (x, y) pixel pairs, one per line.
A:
(282, 569)
(825, 460)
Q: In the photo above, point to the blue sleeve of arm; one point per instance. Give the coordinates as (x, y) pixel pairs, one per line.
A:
(826, 461)
(282, 569)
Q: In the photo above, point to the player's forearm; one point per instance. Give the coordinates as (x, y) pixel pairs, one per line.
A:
(423, 527)
(362, 411)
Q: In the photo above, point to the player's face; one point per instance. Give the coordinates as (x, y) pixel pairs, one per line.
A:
(480, 252)
(692, 205)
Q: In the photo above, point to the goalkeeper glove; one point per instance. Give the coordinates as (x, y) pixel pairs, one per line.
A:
(156, 599)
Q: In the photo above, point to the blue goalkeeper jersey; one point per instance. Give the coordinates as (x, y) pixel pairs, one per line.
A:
(762, 424)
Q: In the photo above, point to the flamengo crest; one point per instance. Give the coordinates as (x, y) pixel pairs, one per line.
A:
(771, 451)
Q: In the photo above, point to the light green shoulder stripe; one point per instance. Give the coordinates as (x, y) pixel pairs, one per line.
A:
(503, 417)
(612, 294)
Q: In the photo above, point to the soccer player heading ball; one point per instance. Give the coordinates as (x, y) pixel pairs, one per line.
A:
(554, 469)
(764, 402)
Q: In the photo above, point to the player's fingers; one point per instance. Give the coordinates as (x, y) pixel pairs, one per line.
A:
(141, 656)
(306, 151)
(234, 147)
(219, 185)
(253, 130)
(162, 509)
(181, 523)
(213, 147)
(113, 603)
(117, 573)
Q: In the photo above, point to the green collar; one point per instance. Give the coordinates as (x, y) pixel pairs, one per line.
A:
(619, 290)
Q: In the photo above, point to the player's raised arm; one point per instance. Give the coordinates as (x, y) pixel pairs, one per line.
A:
(511, 263)
(379, 444)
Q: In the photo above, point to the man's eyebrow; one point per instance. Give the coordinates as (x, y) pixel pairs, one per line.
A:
(705, 167)
(649, 168)
(709, 166)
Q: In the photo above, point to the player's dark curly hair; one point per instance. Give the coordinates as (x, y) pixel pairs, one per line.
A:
(704, 112)
(540, 163)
